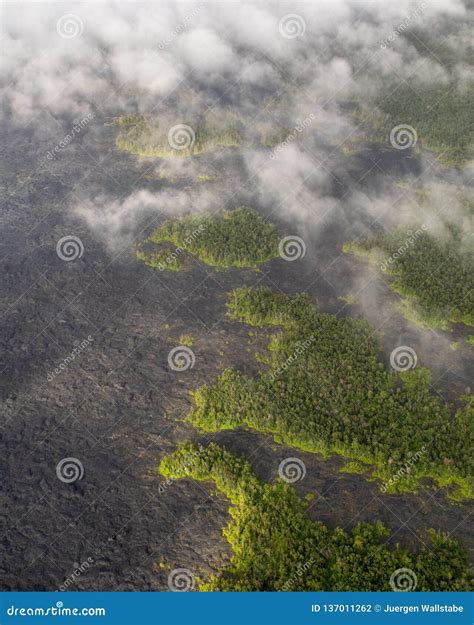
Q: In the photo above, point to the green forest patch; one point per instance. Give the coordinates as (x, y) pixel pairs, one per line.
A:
(428, 117)
(355, 467)
(147, 136)
(440, 114)
(235, 238)
(276, 547)
(435, 277)
(325, 391)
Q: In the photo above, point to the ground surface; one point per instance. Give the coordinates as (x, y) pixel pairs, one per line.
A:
(118, 407)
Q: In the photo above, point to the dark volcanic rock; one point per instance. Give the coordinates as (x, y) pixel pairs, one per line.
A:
(117, 407)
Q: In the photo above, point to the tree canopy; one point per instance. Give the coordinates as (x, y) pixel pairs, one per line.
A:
(276, 547)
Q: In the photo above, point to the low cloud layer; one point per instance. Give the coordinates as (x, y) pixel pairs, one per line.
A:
(71, 57)
(264, 62)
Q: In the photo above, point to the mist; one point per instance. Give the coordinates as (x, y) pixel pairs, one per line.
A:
(180, 61)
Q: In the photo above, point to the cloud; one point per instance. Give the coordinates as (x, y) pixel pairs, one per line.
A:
(148, 50)
(119, 223)
(180, 60)
(205, 54)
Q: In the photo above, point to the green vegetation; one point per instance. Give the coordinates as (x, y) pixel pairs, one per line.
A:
(325, 391)
(435, 276)
(205, 178)
(440, 111)
(352, 146)
(440, 114)
(161, 175)
(347, 299)
(237, 238)
(162, 259)
(269, 136)
(145, 136)
(186, 339)
(448, 49)
(276, 547)
(355, 467)
(128, 120)
(165, 175)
